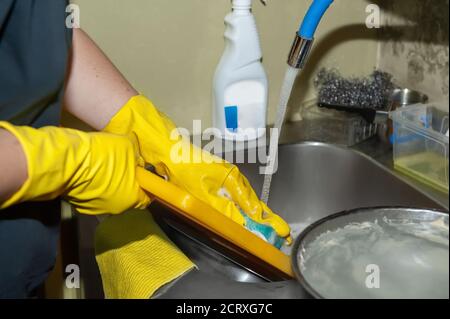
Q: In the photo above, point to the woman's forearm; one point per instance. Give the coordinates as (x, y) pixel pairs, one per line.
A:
(13, 165)
(95, 89)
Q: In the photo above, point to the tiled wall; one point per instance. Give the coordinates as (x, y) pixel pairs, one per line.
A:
(414, 45)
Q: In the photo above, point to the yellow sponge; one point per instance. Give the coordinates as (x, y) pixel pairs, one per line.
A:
(135, 257)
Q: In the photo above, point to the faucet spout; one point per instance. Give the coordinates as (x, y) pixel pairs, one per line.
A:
(304, 38)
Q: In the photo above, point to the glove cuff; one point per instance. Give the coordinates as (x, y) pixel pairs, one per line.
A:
(45, 150)
(15, 198)
(137, 111)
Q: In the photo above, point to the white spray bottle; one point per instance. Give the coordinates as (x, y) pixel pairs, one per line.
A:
(240, 87)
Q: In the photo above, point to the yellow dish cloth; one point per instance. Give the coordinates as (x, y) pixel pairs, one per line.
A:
(135, 257)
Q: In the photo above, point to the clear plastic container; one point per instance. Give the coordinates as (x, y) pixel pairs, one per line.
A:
(421, 144)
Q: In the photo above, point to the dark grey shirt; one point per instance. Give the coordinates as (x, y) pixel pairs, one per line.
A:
(34, 48)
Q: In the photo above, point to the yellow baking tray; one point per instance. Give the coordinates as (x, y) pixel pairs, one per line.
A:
(256, 252)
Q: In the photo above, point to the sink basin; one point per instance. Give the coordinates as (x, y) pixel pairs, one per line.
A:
(313, 181)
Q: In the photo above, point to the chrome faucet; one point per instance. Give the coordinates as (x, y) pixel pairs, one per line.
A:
(304, 38)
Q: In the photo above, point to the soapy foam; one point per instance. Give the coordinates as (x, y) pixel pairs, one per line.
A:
(412, 259)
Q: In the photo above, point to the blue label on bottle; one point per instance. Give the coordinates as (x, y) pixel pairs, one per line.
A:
(231, 118)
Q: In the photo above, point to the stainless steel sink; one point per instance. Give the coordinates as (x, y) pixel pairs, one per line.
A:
(313, 181)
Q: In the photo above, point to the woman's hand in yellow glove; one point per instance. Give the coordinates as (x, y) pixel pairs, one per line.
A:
(242, 193)
(96, 172)
(212, 180)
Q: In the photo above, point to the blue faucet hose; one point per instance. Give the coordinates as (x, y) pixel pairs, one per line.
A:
(313, 17)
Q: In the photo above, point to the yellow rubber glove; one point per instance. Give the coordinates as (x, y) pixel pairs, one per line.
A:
(212, 180)
(94, 171)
